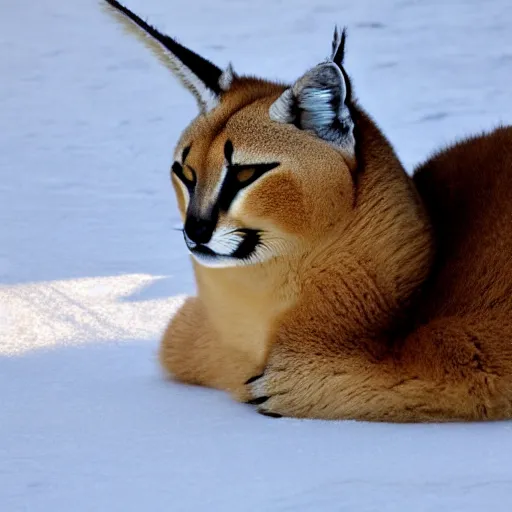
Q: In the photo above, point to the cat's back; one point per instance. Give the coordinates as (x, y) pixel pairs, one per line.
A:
(467, 190)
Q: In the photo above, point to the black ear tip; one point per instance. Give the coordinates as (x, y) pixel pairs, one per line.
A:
(338, 45)
(344, 32)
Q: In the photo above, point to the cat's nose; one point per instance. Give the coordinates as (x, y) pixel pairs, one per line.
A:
(199, 230)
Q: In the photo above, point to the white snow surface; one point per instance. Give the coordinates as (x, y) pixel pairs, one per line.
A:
(91, 268)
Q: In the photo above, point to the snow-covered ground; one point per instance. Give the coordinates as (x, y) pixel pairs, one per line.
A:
(91, 268)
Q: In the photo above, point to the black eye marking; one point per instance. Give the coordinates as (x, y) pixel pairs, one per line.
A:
(238, 177)
(184, 172)
(176, 168)
(187, 176)
(185, 153)
(228, 152)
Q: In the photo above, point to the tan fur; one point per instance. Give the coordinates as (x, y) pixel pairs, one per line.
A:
(332, 324)
(373, 295)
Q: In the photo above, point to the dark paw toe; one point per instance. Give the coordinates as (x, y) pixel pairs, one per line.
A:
(253, 379)
(270, 414)
(257, 401)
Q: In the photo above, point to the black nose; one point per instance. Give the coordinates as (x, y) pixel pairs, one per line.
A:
(199, 230)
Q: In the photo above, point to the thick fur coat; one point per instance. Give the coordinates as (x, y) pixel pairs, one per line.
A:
(329, 283)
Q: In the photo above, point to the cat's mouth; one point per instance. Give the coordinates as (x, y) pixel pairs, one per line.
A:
(237, 248)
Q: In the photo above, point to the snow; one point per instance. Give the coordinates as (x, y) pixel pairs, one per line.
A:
(92, 269)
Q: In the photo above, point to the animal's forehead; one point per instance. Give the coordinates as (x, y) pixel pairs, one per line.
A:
(249, 133)
(255, 139)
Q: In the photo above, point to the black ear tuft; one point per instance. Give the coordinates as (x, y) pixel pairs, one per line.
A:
(319, 102)
(204, 79)
(338, 46)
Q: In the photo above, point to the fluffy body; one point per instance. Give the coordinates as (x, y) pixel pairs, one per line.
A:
(347, 289)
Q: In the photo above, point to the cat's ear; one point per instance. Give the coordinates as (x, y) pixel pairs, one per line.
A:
(319, 101)
(203, 79)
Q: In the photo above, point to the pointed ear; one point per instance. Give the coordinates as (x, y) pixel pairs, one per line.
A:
(203, 79)
(319, 101)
